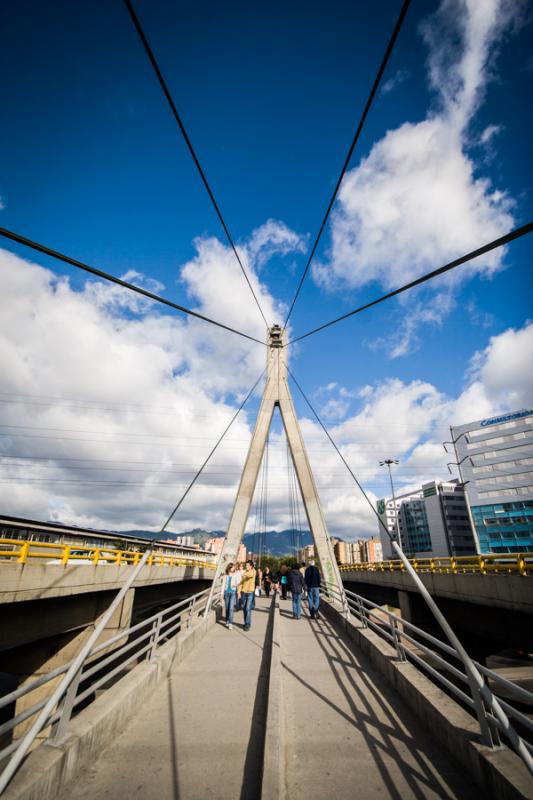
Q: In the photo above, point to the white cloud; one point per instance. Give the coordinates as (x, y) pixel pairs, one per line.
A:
(502, 368)
(117, 403)
(415, 202)
(118, 411)
(399, 77)
(409, 421)
(273, 238)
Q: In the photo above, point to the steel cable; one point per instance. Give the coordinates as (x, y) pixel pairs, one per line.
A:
(364, 115)
(188, 142)
(47, 251)
(191, 484)
(503, 240)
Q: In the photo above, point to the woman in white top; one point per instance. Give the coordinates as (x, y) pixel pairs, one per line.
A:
(231, 581)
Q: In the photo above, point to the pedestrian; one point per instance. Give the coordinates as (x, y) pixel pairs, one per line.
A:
(302, 570)
(267, 581)
(283, 581)
(231, 584)
(239, 569)
(312, 581)
(247, 593)
(296, 584)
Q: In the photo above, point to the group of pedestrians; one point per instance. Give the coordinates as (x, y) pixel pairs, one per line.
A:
(304, 579)
(239, 592)
(242, 581)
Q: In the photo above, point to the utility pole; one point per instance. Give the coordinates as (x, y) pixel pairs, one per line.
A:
(388, 462)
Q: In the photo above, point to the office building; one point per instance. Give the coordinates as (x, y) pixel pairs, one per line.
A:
(388, 513)
(495, 457)
(432, 522)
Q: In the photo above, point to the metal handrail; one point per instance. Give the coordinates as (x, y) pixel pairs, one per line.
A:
(483, 564)
(397, 634)
(24, 550)
(57, 708)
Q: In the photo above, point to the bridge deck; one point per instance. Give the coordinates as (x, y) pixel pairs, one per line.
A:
(201, 734)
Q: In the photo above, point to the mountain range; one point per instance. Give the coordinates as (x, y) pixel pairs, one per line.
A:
(275, 543)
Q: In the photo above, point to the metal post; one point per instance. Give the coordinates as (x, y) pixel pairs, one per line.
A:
(362, 612)
(397, 639)
(154, 639)
(60, 728)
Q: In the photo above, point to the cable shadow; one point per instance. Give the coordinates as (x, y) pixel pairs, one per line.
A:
(173, 744)
(253, 764)
(326, 634)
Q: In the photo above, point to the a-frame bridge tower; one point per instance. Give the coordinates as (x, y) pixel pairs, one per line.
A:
(277, 393)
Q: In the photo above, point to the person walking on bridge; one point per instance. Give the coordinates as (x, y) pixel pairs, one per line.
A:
(247, 593)
(296, 585)
(312, 581)
(231, 584)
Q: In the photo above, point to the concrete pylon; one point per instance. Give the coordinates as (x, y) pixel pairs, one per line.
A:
(277, 393)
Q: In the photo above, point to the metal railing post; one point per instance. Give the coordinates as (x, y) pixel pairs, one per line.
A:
(191, 609)
(362, 612)
(397, 638)
(60, 728)
(154, 638)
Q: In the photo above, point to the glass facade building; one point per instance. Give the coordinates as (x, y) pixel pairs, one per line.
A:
(496, 464)
(414, 528)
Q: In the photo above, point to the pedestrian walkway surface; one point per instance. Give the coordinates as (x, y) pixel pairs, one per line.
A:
(200, 735)
(347, 733)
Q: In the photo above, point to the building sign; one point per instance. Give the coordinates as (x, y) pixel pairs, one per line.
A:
(506, 418)
(381, 506)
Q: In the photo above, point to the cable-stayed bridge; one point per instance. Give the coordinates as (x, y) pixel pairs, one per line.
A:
(126, 681)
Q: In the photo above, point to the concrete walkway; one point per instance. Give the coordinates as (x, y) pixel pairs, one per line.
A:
(347, 734)
(200, 735)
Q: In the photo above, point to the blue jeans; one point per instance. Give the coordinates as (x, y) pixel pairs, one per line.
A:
(297, 604)
(313, 598)
(229, 600)
(246, 605)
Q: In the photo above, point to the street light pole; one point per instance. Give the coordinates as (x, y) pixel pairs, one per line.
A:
(388, 463)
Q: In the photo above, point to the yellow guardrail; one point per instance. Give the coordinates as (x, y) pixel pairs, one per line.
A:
(21, 552)
(503, 563)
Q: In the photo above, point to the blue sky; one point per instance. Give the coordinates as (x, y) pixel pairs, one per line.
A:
(92, 164)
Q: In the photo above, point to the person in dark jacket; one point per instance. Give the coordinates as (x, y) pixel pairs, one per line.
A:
(296, 585)
(312, 581)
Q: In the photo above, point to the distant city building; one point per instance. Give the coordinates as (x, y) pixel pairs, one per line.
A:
(184, 540)
(431, 522)
(241, 553)
(215, 545)
(498, 473)
(339, 548)
(388, 513)
(371, 550)
(306, 552)
(358, 551)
